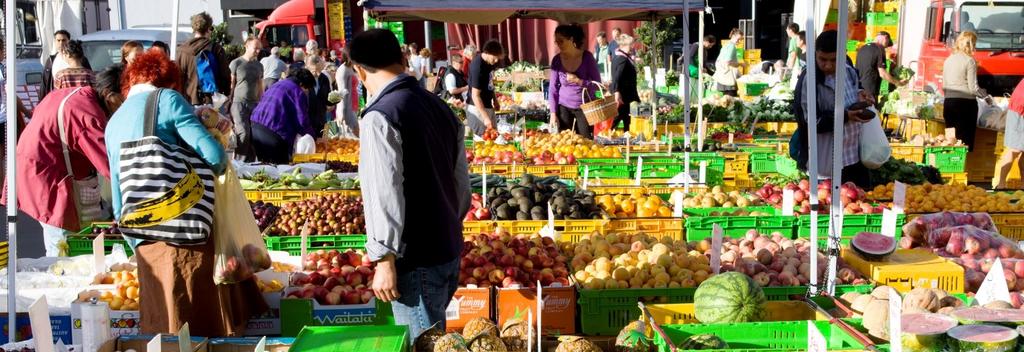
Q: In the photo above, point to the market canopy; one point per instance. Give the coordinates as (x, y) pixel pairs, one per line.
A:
(490, 12)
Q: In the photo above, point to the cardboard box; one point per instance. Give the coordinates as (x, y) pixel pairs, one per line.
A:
(248, 344)
(469, 303)
(297, 313)
(61, 323)
(122, 322)
(167, 343)
(558, 316)
(268, 323)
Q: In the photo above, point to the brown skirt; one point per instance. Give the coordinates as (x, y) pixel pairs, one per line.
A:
(176, 286)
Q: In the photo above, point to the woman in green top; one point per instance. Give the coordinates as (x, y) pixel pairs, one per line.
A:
(727, 65)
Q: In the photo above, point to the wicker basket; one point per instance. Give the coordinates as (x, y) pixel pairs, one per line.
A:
(599, 110)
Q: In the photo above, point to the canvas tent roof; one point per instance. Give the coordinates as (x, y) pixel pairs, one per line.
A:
(488, 12)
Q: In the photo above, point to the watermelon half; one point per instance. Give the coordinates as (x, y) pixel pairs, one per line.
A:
(982, 338)
(873, 246)
(980, 315)
(925, 332)
(730, 297)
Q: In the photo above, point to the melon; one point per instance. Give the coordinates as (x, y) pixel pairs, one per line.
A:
(921, 298)
(998, 305)
(730, 297)
(704, 342)
(876, 318)
(980, 315)
(925, 332)
(861, 303)
(873, 246)
(982, 338)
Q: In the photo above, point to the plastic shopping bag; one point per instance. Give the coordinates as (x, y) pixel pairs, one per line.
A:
(239, 251)
(874, 146)
(305, 145)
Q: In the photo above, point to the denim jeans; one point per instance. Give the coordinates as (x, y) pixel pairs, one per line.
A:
(425, 294)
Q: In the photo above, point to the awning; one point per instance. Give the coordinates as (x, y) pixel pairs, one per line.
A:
(489, 12)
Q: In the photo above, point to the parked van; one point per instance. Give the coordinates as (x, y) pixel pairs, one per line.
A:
(103, 48)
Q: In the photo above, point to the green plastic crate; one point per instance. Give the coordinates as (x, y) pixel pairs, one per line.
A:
(298, 314)
(754, 89)
(763, 163)
(764, 336)
(605, 312)
(714, 160)
(883, 19)
(81, 243)
(699, 225)
(293, 244)
(852, 224)
(946, 159)
(352, 339)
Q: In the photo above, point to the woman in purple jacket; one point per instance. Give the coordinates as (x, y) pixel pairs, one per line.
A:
(572, 70)
(281, 116)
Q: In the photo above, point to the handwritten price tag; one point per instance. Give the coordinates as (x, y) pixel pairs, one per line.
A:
(787, 202)
(716, 248)
(994, 287)
(899, 197)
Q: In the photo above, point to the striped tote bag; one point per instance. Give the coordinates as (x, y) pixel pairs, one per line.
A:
(166, 190)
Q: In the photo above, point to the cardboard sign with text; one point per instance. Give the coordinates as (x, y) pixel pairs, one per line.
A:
(559, 313)
(468, 303)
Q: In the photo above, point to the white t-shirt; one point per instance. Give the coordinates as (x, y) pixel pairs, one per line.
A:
(58, 65)
(418, 63)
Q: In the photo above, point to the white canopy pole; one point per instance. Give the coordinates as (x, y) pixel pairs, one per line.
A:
(684, 84)
(810, 100)
(836, 225)
(12, 194)
(654, 71)
(700, 80)
(176, 7)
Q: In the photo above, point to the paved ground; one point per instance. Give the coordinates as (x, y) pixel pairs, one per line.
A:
(30, 236)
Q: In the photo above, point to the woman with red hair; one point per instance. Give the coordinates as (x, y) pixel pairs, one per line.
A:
(176, 281)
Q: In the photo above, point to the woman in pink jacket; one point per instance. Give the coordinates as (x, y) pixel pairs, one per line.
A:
(46, 190)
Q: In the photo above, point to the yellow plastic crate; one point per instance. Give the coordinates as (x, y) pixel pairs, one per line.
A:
(664, 191)
(737, 169)
(640, 126)
(514, 170)
(309, 158)
(600, 190)
(907, 152)
(285, 196)
(739, 184)
(959, 178)
(472, 228)
(571, 230)
(907, 269)
(683, 313)
(563, 171)
(787, 128)
(672, 227)
(752, 55)
(1010, 225)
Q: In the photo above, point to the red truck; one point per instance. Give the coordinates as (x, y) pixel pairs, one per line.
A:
(929, 27)
(297, 21)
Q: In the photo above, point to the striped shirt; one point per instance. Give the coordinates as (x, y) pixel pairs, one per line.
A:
(74, 77)
(851, 130)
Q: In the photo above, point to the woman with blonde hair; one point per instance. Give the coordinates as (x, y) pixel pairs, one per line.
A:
(424, 66)
(960, 88)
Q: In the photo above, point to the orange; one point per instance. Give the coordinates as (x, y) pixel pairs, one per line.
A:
(628, 206)
(664, 211)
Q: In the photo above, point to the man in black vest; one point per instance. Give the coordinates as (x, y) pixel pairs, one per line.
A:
(415, 185)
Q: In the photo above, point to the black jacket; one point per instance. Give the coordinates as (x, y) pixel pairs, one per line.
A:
(318, 103)
(624, 78)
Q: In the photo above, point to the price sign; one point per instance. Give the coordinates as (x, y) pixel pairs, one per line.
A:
(483, 172)
(586, 176)
(951, 134)
(889, 223)
(639, 170)
(703, 173)
(677, 203)
(154, 344)
(549, 229)
(787, 202)
(815, 341)
(994, 287)
(716, 248)
(731, 136)
(895, 315)
(99, 264)
(261, 346)
(304, 238)
(670, 141)
(184, 339)
(899, 197)
(42, 331)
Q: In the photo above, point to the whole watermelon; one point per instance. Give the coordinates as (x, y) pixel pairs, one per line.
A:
(730, 297)
(704, 342)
